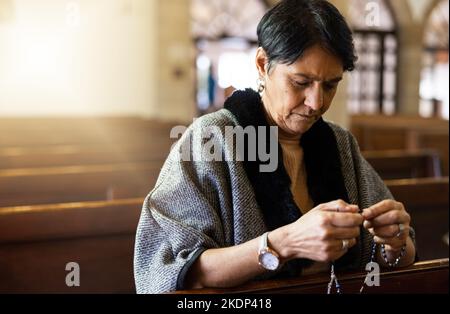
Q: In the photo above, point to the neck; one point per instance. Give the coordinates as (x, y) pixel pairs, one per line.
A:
(282, 135)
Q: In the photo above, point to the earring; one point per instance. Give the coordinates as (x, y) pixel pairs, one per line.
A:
(261, 85)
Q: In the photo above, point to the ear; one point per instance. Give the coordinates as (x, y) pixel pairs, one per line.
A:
(261, 62)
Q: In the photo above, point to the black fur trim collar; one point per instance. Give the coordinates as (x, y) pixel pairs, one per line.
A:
(272, 190)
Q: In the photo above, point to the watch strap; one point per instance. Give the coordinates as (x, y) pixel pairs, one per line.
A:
(263, 242)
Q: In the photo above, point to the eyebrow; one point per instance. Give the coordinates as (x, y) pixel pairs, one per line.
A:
(312, 77)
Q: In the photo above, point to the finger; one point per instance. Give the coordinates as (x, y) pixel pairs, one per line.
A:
(350, 209)
(345, 219)
(393, 217)
(339, 206)
(388, 231)
(394, 242)
(380, 208)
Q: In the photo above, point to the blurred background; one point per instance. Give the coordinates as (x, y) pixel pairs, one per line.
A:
(90, 89)
(175, 59)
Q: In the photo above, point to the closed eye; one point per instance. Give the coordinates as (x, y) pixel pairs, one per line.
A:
(330, 86)
(302, 84)
(326, 86)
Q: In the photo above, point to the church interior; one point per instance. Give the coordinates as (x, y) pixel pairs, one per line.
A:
(91, 89)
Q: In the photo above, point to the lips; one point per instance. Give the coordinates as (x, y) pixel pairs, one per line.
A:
(306, 116)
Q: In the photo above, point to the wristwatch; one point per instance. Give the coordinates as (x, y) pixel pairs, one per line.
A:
(268, 258)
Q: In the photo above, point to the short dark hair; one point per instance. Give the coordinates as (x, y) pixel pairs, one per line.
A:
(292, 26)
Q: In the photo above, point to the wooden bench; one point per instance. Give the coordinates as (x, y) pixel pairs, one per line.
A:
(69, 131)
(77, 183)
(65, 124)
(433, 140)
(36, 243)
(379, 132)
(70, 155)
(400, 164)
(426, 200)
(422, 277)
(84, 137)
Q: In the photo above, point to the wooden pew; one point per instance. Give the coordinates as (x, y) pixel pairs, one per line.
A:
(77, 183)
(379, 132)
(77, 131)
(400, 164)
(71, 155)
(375, 132)
(67, 123)
(433, 140)
(390, 164)
(423, 277)
(83, 137)
(426, 200)
(36, 243)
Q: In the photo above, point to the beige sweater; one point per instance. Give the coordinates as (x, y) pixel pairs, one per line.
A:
(295, 167)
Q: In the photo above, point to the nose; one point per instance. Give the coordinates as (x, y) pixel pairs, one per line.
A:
(314, 97)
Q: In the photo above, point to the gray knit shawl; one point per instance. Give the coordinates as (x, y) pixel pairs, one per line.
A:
(199, 205)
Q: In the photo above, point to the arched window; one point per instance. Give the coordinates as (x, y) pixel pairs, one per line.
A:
(215, 19)
(434, 91)
(225, 35)
(373, 84)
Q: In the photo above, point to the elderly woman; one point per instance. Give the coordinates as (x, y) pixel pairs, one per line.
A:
(210, 223)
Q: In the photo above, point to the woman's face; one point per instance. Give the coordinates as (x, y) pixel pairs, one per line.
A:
(297, 95)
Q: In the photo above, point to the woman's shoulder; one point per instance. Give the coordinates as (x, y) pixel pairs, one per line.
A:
(343, 136)
(219, 118)
(340, 131)
(337, 128)
(209, 129)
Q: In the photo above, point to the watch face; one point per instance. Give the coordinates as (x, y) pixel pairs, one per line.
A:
(269, 261)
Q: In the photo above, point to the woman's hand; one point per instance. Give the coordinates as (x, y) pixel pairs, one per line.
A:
(323, 234)
(389, 223)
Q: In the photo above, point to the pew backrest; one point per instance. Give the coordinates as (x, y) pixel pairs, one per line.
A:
(38, 242)
(76, 183)
(78, 155)
(399, 164)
